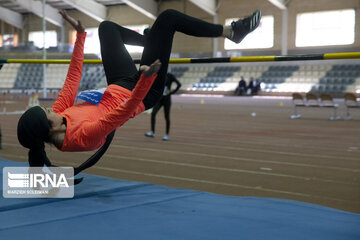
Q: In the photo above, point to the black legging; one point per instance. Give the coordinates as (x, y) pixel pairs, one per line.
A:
(118, 64)
(166, 102)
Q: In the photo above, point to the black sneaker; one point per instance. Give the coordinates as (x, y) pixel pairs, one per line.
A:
(243, 27)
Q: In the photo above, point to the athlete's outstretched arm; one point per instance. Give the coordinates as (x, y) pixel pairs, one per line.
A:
(68, 93)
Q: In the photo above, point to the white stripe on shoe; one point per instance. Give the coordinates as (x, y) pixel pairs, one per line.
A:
(254, 22)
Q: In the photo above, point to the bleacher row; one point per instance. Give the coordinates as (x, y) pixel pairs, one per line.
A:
(30, 76)
(292, 78)
(336, 78)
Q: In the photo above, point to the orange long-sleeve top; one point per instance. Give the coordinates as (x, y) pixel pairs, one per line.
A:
(88, 125)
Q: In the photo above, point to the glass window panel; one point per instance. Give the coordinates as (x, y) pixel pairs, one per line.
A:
(325, 28)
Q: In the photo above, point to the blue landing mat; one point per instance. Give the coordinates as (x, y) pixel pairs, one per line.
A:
(105, 208)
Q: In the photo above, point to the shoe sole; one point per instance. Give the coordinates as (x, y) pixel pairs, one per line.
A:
(255, 20)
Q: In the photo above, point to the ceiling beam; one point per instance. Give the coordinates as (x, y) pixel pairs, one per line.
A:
(206, 5)
(282, 4)
(90, 8)
(51, 14)
(11, 17)
(149, 7)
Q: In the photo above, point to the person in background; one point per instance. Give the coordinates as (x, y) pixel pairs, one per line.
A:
(254, 86)
(166, 102)
(241, 88)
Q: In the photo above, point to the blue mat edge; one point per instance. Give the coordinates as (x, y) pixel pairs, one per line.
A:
(142, 184)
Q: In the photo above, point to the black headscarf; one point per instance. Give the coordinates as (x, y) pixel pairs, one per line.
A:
(33, 130)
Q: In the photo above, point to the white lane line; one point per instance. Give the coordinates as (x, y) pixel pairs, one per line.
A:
(268, 151)
(220, 169)
(266, 169)
(257, 188)
(229, 169)
(237, 158)
(227, 157)
(254, 150)
(315, 147)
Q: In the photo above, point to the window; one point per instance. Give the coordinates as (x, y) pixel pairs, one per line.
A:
(325, 28)
(262, 37)
(92, 44)
(9, 40)
(37, 39)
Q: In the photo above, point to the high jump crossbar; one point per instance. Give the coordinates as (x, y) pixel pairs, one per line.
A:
(300, 57)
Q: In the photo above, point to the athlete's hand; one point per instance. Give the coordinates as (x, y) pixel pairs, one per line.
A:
(149, 71)
(76, 24)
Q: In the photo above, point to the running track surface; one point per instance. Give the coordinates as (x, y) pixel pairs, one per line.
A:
(219, 147)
